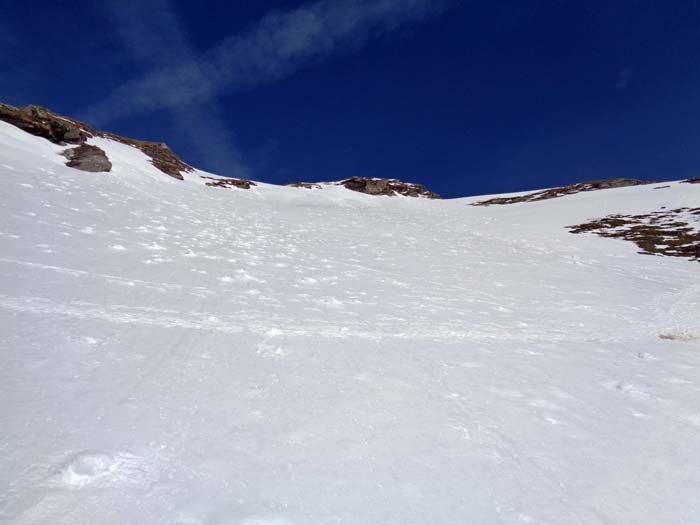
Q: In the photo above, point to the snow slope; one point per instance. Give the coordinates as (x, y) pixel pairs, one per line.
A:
(173, 353)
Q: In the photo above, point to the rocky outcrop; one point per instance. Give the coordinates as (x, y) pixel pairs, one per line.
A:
(675, 233)
(87, 158)
(374, 186)
(307, 185)
(229, 183)
(565, 190)
(44, 123)
(162, 157)
(692, 180)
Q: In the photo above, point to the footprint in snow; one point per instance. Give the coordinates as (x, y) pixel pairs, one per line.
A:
(265, 350)
(154, 246)
(628, 389)
(103, 469)
(645, 356)
(330, 302)
(242, 275)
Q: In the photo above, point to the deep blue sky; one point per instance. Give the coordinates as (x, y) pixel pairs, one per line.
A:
(483, 97)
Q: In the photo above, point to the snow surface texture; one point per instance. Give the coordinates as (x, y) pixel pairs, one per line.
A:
(174, 353)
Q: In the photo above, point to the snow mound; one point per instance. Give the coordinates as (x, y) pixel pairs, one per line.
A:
(680, 318)
(98, 469)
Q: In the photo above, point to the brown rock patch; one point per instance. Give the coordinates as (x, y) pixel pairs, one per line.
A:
(391, 187)
(42, 122)
(674, 233)
(565, 190)
(307, 185)
(229, 183)
(87, 158)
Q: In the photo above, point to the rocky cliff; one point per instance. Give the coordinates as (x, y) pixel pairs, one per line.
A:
(61, 130)
(375, 186)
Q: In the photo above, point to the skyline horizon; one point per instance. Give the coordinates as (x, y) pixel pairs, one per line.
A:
(467, 99)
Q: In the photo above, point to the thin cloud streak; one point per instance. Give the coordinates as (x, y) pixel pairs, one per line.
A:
(278, 46)
(152, 33)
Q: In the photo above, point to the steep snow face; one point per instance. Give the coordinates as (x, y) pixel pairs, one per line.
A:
(183, 354)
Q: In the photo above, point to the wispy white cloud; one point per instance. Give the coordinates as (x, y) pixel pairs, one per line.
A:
(152, 33)
(280, 44)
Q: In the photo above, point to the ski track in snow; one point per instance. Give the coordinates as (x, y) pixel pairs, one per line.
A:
(181, 354)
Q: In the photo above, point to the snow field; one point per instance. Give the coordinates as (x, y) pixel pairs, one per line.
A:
(177, 353)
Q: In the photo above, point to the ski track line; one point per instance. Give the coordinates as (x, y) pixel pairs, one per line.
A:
(123, 314)
(80, 273)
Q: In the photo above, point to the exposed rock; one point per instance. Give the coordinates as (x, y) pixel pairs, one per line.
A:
(692, 180)
(229, 183)
(674, 233)
(307, 185)
(44, 123)
(374, 186)
(87, 158)
(162, 157)
(565, 190)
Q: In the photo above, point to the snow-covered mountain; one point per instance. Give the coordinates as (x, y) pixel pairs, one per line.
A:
(187, 352)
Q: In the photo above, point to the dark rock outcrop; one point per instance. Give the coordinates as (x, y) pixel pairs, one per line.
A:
(229, 183)
(565, 190)
(87, 158)
(307, 185)
(41, 122)
(162, 157)
(374, 186)
(664, 232)
(44, 123)
(692, 180)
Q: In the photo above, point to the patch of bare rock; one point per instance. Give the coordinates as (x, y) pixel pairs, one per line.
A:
(674, 233)
(571, 189)
(87, 158)
(229, 183)
(307, 185)
(692, 180)
(60, 130)
(374, 186)
(162, 157)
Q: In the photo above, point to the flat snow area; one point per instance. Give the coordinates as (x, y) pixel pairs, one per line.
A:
(173, 353)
